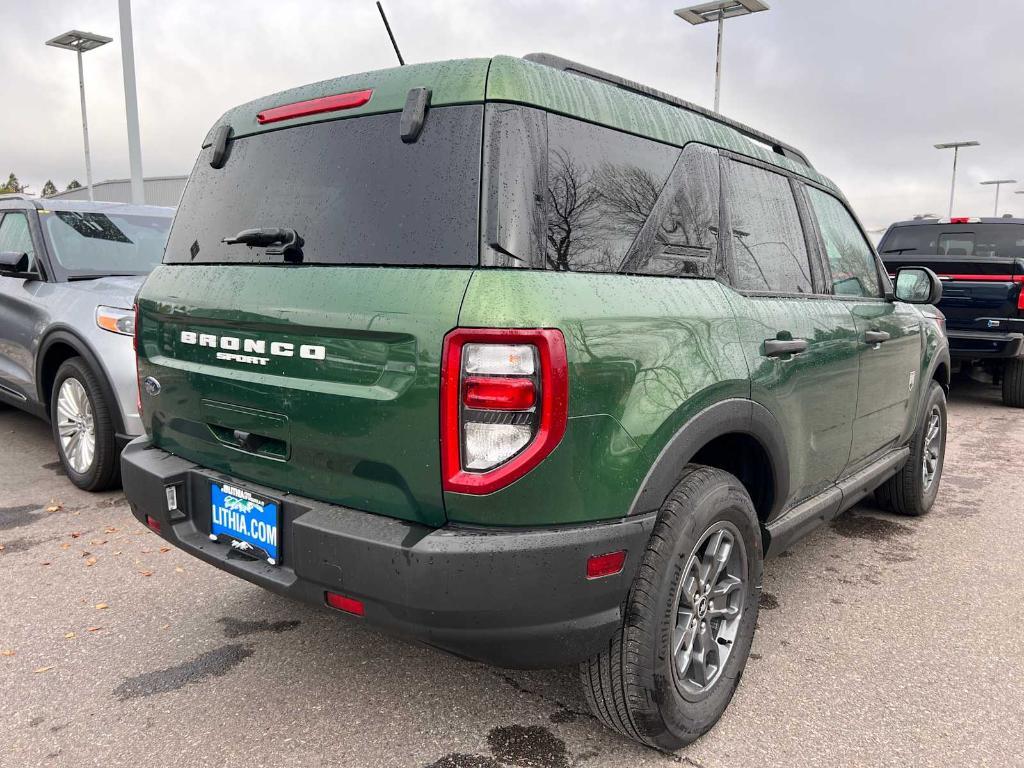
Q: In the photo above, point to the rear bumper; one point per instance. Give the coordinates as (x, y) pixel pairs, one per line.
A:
(974, 345)
(509, 597)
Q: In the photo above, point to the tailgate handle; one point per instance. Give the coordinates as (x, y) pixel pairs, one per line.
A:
(247, 441)
(876, 337)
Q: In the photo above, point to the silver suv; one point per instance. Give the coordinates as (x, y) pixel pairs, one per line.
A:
(69, 272)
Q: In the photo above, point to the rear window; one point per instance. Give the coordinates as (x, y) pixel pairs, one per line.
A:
(351, 189)
(968, 240)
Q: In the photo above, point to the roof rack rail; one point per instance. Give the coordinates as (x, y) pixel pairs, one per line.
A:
(16, 196)
(565, 65)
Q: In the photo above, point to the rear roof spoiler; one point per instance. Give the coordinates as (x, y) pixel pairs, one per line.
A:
(565, 65)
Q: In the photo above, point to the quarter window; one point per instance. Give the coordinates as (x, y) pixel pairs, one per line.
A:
(853, 264)
(768, 245)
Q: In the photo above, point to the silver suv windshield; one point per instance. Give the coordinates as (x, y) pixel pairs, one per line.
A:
(93, 244)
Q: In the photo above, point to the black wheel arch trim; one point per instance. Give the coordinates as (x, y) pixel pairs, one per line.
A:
(67, 335)
(732, 416)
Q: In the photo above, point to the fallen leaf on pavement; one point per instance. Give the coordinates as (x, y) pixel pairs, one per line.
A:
(75, 534)
(93, 629)
(166, 626)
(146, 573)
(7, 652)
(90, 562)
(66, 545)
(101, 606)
(118, 552)
(42, 669)
(111, 529)
(2, 547)
(45, 562)
(97, 542)
(162, 549)
(55, 508)
(69, 635)
(178, 569)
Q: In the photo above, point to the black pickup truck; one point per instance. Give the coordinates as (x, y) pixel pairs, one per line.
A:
(981, 264)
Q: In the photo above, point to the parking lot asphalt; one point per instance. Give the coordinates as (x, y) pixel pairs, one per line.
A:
(881, 641)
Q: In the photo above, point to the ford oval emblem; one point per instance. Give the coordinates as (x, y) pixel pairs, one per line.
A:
(151, 385)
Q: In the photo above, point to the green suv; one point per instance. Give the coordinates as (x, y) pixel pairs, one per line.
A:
(529, 363)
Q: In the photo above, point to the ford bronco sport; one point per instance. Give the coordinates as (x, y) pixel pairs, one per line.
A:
(530, 363)
(981, 265)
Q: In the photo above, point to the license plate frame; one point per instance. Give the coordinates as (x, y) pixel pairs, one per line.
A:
(250, 521)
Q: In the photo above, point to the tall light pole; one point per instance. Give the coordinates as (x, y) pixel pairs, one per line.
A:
(131, 102)
(719, 11)
(955, 146)
(998, 183)
(80, 42)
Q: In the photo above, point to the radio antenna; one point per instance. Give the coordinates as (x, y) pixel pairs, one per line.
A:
(387, 26)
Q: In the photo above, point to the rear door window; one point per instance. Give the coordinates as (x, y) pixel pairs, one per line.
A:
(850, 258)
(768, 248)
(351, 188)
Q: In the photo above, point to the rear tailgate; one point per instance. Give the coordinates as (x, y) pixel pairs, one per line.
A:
(319, 377)
(342, 402)
(981, 267)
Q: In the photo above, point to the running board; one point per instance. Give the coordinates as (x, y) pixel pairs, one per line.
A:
(832, 502)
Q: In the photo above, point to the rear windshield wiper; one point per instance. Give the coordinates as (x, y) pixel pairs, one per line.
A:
(898, 250)
(279, 241)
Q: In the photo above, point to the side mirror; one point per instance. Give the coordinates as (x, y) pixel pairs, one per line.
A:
(13, 264)
(918, 285)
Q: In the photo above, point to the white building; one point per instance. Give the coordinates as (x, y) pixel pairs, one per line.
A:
(159, 190)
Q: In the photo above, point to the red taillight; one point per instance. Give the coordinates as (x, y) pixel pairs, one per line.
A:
(960, 220)
(498, 394)
(599, 566)
(1020, 298)
(504, 404)
(346, 604)
(153, 523)
(315, 106)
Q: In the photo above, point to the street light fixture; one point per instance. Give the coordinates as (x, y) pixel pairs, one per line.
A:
(955, 146)
(998, 183)
(719, 11)
(80, 42)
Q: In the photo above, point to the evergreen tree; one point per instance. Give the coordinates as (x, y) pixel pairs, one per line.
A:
(49, 189)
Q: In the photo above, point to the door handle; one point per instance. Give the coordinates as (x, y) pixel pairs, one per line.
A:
(876, 337)
(780, 347)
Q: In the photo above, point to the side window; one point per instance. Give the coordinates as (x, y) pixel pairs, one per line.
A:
(768, 245)
(601, 188)
(853, 265)
(15, 236)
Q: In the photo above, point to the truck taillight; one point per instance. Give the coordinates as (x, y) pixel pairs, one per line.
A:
(1020, 298)
(504, 404)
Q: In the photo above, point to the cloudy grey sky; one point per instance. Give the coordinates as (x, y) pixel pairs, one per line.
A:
(864, 87)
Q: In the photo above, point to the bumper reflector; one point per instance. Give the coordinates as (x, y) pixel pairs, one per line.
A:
(599, 566)
(346, 604)
(153, 523)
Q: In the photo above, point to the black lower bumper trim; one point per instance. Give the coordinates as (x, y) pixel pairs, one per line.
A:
(509, 597)
(976, 345)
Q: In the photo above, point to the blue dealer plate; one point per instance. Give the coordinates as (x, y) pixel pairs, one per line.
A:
(250, 520)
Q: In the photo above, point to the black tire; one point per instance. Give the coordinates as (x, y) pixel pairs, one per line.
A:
(104, 471)
(905, 492)
(632, 687)
(1013, 383)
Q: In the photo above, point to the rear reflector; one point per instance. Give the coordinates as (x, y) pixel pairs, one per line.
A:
(346, 604)
(333, 103)
(498, 394)
(153, 523)
(599, 566)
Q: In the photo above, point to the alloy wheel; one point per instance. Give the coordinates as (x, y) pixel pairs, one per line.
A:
(710, 604)
(76, 425)
(932, 452)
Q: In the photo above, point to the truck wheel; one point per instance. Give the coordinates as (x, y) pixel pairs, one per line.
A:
(1013, 383)
(83, 429)
(670, 672)
(913, 489)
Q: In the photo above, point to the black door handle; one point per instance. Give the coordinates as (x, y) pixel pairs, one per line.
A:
(780, 347)
(876, 337)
